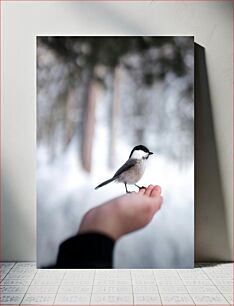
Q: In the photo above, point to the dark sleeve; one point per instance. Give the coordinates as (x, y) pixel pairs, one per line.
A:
(91, 250)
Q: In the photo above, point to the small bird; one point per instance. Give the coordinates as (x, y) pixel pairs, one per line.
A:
(132, 171)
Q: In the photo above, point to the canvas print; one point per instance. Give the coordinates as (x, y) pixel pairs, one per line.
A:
(115, 152)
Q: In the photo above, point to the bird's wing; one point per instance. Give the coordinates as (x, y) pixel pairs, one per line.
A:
(129, 164)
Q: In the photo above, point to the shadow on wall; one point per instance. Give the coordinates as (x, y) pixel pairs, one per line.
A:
(211, 236)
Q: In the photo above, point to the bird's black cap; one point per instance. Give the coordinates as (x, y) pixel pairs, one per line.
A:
(142, 148)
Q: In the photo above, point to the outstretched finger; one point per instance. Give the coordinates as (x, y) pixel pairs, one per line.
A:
(156, 191)
(148, 190)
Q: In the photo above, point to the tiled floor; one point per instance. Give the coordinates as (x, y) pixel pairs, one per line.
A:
(207, 284)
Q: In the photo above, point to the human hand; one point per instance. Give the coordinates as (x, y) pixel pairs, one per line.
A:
(123, 214)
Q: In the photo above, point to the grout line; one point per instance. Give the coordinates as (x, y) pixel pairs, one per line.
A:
(157, 288)
(1, 291)
(28, 287)
(92, 287)
(65, 272)
(186, 286)
(215, 286)
(8, 271)
(130, 270)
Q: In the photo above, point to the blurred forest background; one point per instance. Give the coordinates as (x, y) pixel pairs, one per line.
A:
(97, 97)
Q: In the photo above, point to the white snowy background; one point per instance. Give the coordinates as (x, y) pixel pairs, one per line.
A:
(65, 190)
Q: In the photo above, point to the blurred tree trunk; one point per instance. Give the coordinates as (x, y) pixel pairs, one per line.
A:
(68, 132)
(140, 115)
(114, 117)
(88, 127)
(70, 120)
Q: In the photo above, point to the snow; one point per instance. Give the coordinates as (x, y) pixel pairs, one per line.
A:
(66, 193)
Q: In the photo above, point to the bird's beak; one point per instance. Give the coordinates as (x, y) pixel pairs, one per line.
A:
(150, 153)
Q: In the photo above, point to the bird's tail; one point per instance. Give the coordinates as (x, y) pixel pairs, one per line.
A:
(105, 183)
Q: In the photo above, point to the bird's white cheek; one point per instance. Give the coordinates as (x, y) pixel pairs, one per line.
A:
(139, 154)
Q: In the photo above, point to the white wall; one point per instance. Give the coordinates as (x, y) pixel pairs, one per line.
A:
(211, 24)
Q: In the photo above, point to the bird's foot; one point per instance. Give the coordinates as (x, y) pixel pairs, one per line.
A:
(140, 187)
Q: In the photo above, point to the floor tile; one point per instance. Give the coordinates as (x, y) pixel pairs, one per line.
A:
(26, 265)
(143, 282)
(13, 289)
(78, 271)
(165, 271)
(197, 272)
(145, 289)
(16, 282)
(229, 297)
(223, 282)
(72, 299)
(46, 282)
(3, 275)
(189, 271)
(64, 289)
(53, 272)
(7, 264)
(176, 299)
(21, 273)
(43, 289)
(6, 299)
(172, 289)
(19, 276)
(172, 273)
(195, 276)
(4, 269)
(100, 278)
(140, 273)
(167, 277)
(39, 299)
(112, 273)
(49, 277)
(77, 282)
(197, 282)
(20, 269)
(112, 282)
(220, 276)
(209, 284)
(73, 277)
(202, 289)
(225, 289)
(112, 299)
(169, 282)
(209, 299)
(149, 277)
(147, 299)
(112, 289)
